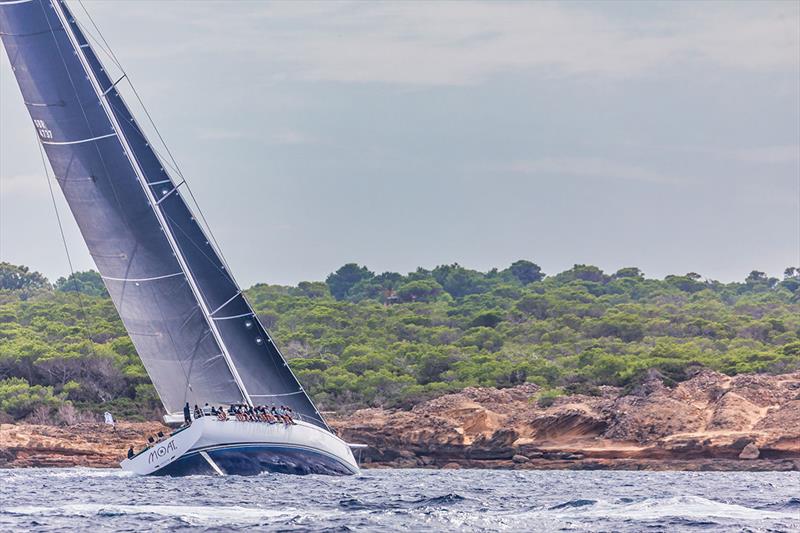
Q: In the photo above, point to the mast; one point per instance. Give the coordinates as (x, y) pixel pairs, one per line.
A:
(60, 9)
(184, 311)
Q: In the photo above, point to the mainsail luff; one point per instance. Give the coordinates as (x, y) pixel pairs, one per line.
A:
(189, 316)
(95, 74)
(124, 237)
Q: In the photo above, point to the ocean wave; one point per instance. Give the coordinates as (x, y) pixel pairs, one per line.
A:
(355, 504)
(192, 514)
(573, 503)
(447, 499)
(392, 500)
(691, 507)
(791, 503)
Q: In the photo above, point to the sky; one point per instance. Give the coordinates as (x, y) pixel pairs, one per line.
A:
(396, 135)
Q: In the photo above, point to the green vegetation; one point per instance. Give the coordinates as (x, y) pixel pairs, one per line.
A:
(363, 339)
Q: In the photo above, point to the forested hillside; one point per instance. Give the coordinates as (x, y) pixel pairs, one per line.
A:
(361, 339)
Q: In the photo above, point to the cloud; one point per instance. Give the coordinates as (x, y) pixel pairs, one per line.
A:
(593, 167)
(290, 138)
(769, 154)
(443, 43)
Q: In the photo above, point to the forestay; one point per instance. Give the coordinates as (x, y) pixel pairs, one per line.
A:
(192, 327)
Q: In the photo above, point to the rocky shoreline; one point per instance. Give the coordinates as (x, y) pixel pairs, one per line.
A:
(710, 422)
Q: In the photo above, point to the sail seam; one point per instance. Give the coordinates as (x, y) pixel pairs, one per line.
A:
(276, 395)
(143, 279)
(61, 143)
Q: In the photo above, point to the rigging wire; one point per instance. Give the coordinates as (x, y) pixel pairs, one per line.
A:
(109, 51)
(66, 247)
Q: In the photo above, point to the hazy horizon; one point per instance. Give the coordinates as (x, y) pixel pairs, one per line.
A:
(664, 136)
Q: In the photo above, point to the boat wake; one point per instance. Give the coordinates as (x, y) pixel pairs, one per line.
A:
(190, 514)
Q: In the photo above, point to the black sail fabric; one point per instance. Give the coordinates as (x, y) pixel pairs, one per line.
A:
(124, 237)
(180, 343)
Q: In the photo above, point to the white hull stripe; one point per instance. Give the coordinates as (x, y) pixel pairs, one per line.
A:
(12, 2)
(81, 141)
(143, 279)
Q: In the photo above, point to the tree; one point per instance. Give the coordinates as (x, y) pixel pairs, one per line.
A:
(18, 398)
(375, 288)
(628, 272)
(20, 278)
(459, 281)
(311, 289)
(583, 273)
(86, 282)
(424, 290)
(487, 319)
(341, 281)
(687, 283)
(526, 272)
(533, 304)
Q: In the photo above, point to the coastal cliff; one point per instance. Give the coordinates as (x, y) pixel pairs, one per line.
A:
(710, 422)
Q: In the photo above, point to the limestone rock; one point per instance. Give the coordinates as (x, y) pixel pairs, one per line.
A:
(519, 459)
(750, 451)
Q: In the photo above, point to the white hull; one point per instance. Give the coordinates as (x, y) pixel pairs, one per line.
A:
(210, 446)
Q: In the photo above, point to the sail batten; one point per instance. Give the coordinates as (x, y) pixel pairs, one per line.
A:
(197, 335)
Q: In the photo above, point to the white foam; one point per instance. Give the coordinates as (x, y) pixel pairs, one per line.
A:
(194, 514)
(692, 507)
(62, 473)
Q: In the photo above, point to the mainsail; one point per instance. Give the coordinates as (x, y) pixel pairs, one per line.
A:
(196, 334)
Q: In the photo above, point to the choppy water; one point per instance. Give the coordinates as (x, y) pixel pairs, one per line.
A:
(392, 500)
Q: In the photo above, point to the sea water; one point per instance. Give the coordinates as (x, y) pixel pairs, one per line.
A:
(401, 500)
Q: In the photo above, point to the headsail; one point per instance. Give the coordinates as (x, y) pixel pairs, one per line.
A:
(197, 335)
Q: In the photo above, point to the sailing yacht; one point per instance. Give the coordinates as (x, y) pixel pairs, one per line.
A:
(190, 322)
